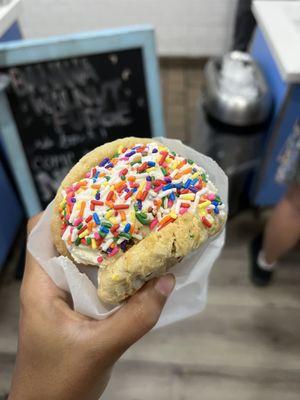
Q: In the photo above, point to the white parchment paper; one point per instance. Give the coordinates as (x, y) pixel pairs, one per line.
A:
(190, 294)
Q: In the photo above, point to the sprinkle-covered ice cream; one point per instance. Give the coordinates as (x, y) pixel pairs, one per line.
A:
(121, 200)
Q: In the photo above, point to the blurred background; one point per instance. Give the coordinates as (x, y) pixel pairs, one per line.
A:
(223, 76)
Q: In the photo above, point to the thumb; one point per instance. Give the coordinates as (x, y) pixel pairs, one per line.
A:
(140, 313)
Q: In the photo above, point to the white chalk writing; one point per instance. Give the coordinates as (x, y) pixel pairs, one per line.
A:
(72, 94)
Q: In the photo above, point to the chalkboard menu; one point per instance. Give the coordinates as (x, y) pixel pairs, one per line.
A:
(66, 106)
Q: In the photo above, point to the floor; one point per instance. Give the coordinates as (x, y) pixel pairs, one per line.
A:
(182, 84)
(245, 345)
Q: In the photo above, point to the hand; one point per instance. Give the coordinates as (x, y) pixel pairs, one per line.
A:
(65, 355)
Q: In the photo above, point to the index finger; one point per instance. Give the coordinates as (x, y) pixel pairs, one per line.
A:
(33, 221)
(36, 280)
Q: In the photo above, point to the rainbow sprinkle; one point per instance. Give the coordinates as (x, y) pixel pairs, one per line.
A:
(140, 189)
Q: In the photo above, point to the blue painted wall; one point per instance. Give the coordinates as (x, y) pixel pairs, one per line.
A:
(11, 213)
(13, 33)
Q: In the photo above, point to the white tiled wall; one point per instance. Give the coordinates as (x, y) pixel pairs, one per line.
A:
(184, 27)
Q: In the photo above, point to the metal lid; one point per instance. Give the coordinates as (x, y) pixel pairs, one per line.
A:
(236, 92)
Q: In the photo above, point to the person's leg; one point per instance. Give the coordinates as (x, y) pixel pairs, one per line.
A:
(282, 231)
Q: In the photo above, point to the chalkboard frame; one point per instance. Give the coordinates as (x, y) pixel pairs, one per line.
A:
(60, 47)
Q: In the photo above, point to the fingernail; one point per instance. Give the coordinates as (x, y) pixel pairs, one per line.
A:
(165, 285)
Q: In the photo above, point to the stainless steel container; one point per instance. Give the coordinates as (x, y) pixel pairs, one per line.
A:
(236, 92)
